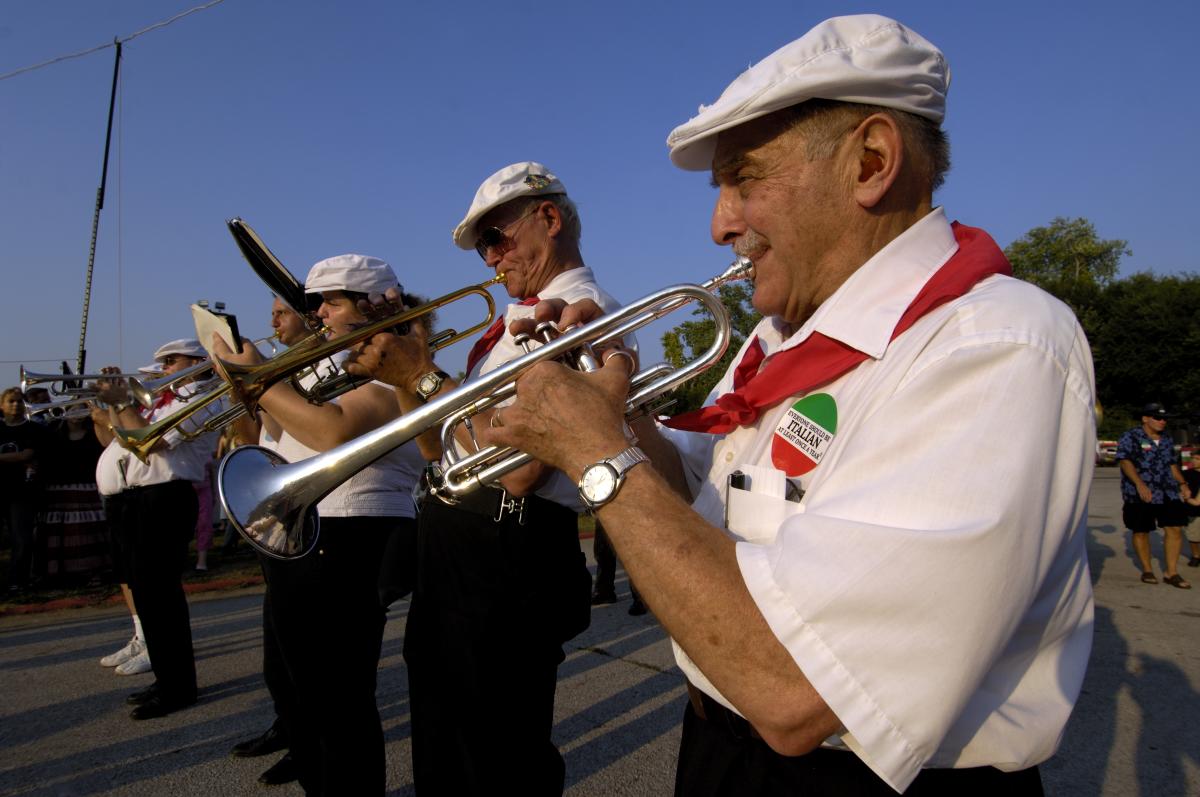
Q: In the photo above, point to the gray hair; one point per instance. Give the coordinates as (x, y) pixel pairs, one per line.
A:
(572, 226)
(824, 122)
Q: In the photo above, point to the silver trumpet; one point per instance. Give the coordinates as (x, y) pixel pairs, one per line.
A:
(273, 503)
(77, 407)
(58, 386)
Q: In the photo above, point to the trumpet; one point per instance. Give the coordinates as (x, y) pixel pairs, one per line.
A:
(140, 440)
(29, 379)
(147, 390)
(272, 503)
(76, 407)
(249, 382)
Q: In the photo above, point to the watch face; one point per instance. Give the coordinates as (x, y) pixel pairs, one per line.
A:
(598, 482)
(428, 384)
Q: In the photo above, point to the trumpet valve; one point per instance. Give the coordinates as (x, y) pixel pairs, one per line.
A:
(546, 330)
(524, 341)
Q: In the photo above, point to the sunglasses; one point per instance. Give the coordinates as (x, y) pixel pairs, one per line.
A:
(492, 237)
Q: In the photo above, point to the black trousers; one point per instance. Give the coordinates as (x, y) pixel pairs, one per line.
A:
(397, 576)
(327, 624)
(156, 526)
(493, 605)
(20, 513)
(718, 756)
(275, 674)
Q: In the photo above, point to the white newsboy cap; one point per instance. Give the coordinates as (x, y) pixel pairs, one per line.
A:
(360, 273)
(188, 347)
(520, 179)
(865, 58)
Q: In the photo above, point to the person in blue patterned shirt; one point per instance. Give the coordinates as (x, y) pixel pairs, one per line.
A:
(1153, 491)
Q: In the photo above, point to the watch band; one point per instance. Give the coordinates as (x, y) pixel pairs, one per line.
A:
(619, 465)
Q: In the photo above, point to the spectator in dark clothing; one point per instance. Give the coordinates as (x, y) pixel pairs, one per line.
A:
(20, 440)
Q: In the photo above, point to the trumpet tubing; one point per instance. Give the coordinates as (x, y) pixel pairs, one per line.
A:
(142, 439)
(249, 382)
(29, 379)
(272, 503)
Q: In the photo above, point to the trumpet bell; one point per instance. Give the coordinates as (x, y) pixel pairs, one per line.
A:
(275, 526)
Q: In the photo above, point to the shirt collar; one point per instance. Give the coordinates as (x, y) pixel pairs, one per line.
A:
(864, 311)
(566, 280)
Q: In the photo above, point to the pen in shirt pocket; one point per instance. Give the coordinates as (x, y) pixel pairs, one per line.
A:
(736, 481)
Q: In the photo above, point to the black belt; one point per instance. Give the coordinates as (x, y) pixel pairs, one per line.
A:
(491, 502)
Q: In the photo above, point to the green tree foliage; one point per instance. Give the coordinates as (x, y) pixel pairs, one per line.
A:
(682, 343)
(1070, 261)
(1145, 345)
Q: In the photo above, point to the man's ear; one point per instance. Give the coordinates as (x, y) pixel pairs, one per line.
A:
(551, 216)
(879, 154)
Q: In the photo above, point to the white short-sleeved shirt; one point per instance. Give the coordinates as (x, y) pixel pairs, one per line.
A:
(573, 285)
(111, 468)
(932, 581)
(382, 489)
(181, 459)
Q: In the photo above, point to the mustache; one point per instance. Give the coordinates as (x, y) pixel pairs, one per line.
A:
(751, 244)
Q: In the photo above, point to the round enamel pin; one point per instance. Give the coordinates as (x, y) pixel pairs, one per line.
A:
(804, 433)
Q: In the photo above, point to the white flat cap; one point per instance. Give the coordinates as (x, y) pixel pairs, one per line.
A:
(866, 59)
(188, 347)
(520, 179)
(360, 273)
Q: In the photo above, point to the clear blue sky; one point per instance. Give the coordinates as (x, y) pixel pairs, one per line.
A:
(367, 126)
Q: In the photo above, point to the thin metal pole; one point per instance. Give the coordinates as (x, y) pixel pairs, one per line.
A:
(87, 289)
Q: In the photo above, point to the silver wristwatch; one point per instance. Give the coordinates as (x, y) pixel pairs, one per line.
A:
(600, 482)
(430, 383)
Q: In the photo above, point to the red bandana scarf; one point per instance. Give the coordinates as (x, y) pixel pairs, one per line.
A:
(164, 398)
(819, 359)
(491, 337)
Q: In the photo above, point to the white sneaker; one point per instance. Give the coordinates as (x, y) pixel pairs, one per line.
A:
(131, 649)
(138, 664)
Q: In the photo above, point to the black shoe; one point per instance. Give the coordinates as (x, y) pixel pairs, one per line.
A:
(284, 771)
(160, 705)
(603, 597)
(142, 696)
(271, 741)
(1194, 561)
(637, 608)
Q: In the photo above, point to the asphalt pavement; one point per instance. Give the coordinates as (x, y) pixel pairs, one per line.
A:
(64, 727)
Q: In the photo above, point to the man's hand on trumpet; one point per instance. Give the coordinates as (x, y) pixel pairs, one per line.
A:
(397, 360)
(566, 418)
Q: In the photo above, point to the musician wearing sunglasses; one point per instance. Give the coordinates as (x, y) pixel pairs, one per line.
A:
(858, 606)
(325, 608)
(502, 582)
(155, 518)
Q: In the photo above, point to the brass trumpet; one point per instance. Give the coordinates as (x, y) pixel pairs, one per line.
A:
(141, 440)
(272, 503)
(249, 382)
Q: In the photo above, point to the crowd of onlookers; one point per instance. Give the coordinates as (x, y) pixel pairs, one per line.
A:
(51, 515)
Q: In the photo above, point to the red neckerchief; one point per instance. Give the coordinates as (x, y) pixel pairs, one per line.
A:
(819, 359)
(164, 398)
(492, 337)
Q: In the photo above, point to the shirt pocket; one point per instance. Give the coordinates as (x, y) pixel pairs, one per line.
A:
(755, 514)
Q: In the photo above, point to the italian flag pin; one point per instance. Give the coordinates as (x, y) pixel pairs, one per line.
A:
(804, 434)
